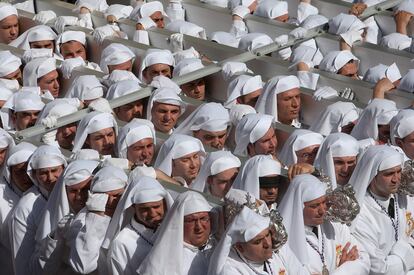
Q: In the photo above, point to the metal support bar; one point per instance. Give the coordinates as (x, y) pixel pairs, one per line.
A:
(378, 8)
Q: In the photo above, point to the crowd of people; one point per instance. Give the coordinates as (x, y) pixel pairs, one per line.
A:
(179, 182)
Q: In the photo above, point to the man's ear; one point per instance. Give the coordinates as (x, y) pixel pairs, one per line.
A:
(399, 142)
(250, 149)
(13, 116)
(239, 247)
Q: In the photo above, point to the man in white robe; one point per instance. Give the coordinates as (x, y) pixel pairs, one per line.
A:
(131, 233)
(154, 63)
(244, 89)
(195, 89)
(42, 72)
(183, 239)
(9, 23)
(37, 37)
(323, 247)
(116, 57)
(384, 224)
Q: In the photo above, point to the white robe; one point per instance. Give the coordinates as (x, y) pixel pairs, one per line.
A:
(195, 261)
(284, 263)
(374, 229)
(335, 237)
(129, 249)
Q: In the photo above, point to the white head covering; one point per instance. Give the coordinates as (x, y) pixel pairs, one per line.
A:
(6, 10)
(146, 10)
(134, 131)
(107, 179)
(119, 11)
(245, 227)
(139, 190)
(345, 22)
(115, 54)
(155, 56)
(57, 108)
(123, 87)
(210, 116)
(24, 101)
(406, 5)
(45, 156)
(91, 5)
(254, 168)
(37, 68)
(313, 21)
(250, 129)
(91, 123)
(119, 75)
(374, 74)
(254, 40)
(267, 102)
(170, 238)
(298, 140)
(85, 87)
(401, 125)
(17, 154)
(234, 3)
(224, 38)
(377, 112)
(407, 82)
(240, 86)
(215, 163)
(335, 60)
(165, 95)
(86, 154)
(302, 189)
(271, 8)
(187, 66)
(5, 94)
(10, 63)
(307, 52)
(334, 117)
(36, 33)
(176, 146)
(67, 36)
(396, 41)
(238, 111)
(188, 28)
(375, 159)
(57, 205)
(335, 145)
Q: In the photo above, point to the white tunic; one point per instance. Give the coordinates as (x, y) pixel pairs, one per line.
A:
(195, 261)
(129, 248)
(335, 236)
(374, 229)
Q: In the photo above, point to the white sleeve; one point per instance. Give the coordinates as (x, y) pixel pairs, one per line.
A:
(116, 259)
(141, 36)
(85, 250)
(292, 263)
(238, 28)
(308, 80)
(48, 255)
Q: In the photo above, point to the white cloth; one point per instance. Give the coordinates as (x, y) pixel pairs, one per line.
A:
(165, 95)
(335, 145)
(119, 11)
(335, 60)
(67, 36)
(155, 56)
(298, 140)
(343, 23)
(37, 68)
(119, 75)
(307, 52)
(240, 86)
(91, 5)
(271, 9)
(36, 33)
(172, 228)
(374, 74)
(313, 21)
(132, 132)
(378, 112)
(396, 41)
(122, 88)
(115, 54)
(267, 102)
(254, 168)
(401, 125)
(187, 66)
(187, 28)
(407, 82)
(85, 87)
(177, 146)
(10, 63)
(146, 10)
(5, 94)
(91, 123)
(250, 129)
(238, 111)
(234, 3)
(7, 10)
(215, 163)
(212, 117)
(334, 117)
(305, 10)
(252, 41)
(224, 38)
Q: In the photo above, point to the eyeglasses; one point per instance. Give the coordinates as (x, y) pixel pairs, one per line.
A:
(202, 220)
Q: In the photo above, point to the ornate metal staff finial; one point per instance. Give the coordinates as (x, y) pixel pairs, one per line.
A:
(407, 179)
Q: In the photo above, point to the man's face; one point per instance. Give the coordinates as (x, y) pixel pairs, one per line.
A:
(213, 139)
(126, 66)
(195, 89)
(250, 99)
(197, 228)
(165, 116)
(258, 249)
(102, 141)
(78, 194)
(47, 177)
(314, 211)
(25, 119)
(141, 152)
(50, 82)
(386, 182)
(72, 49)
(266, 145)
(113, 199)
(344, 166)
(16, 75)
(158, 19)
(407, 145)
(350, 69)
(66, 135)
(288, 106)
(221, 183)
(3, 152)
(150, 214)
(9, 29)
(155, 70)
(187, 167)
(307, 154)
(269, 194)
(129, 111)
(383, 133)
(283, 18)
(43, 44)
(19, 176)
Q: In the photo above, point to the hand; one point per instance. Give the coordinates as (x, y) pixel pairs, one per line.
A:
(298, 169)
(282, 40)
(69, 64)
(177, 42)
(402, 18)
(49, 138)
(63, 21)
(302, 67)
(100, 105)
(63, 226)
(325, 92)
(348, 255)
(298, 33)
(44, 16)
(97, 202)
(383, 85)
(50, 121)
(357, 9)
